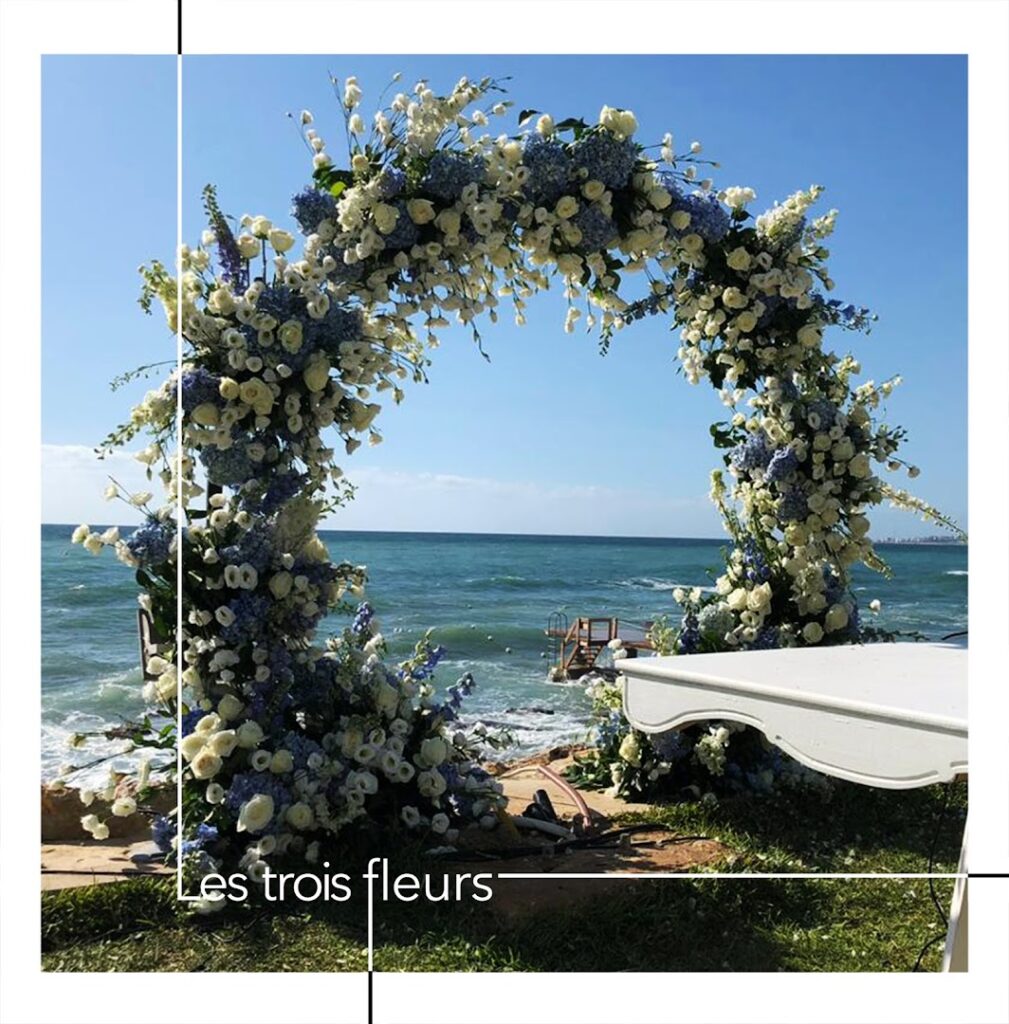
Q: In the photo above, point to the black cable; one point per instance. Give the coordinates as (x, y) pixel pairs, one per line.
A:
(936, 902)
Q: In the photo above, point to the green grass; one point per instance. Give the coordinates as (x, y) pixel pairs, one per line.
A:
(663, 925)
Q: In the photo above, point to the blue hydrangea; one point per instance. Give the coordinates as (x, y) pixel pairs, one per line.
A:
(449, 173)
(227, 466)
(753, 453)
(246, 785)
(253, 547)
(826, 411)
(715, 620)
(708, 217)
(605, 158)
(404, 234)
(189, 720)
(549, 169)
(767, 639)
(783, 462)
(671, 746)
(250, 610)
(301, 748)
(793, 507)
(310, 208)
(340, 324)
(163, 832)
(280, 490)
(151, 543)
(344, 271)
(204, 834)
(280, 302)
(199, 386)
(390, 183)
(598, 231)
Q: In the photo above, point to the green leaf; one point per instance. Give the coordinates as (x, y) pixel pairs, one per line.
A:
(337, 187)
(524, 115)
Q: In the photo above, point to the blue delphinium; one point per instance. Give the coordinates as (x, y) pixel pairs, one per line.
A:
(708, 217)
(301, 748)
(783, 462)
(753, 453)
(199, 386)
(362, 619)
(757, 569)
(598, 231)
(310, 208)
(449, 173)
(280, 302)
(767, 639)
(430, 663)
(690, 635)
(605, 158)
(151, 543)
(549, 169)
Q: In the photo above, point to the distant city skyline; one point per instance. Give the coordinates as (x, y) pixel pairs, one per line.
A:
(550, 437)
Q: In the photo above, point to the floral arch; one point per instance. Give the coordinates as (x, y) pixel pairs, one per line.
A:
(287, 742)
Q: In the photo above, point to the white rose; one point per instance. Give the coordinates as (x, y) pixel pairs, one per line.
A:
(738, 259)
(439, 824)
(250, 735)
(567, 206)
(224, 742)
(229, 707)
(255, 814)
(215, 793)
(191, 745)
(410, 816)
(282, 761)
(836, 618)
(206, 764)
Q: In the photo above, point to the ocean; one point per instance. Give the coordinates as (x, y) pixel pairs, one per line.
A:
(487, 597)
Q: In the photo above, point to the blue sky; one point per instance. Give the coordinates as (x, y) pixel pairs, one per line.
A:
(549, 436)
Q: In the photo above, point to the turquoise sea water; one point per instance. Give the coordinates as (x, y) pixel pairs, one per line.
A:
(488, 598)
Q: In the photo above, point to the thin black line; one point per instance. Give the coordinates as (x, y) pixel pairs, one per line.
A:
(987, 874)
(178, 44)
(371, 998)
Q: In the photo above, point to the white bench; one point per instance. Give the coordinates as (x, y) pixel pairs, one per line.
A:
(889, 715)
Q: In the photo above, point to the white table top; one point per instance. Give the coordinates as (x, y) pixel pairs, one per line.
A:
(917, 683)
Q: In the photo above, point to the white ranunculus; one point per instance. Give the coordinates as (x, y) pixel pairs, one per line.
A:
(256, 813)
(421, 211)
(410, 816)
(300, 816)
(812, 632)
(215, 793)
(836, 618)
(281, 762)
(439, 824)
(80, 534)
(281, 240)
